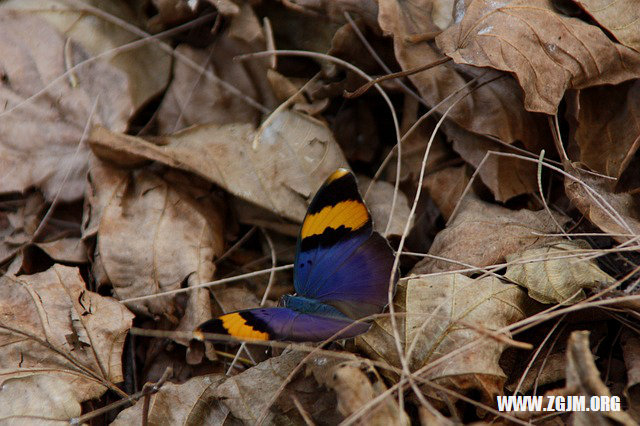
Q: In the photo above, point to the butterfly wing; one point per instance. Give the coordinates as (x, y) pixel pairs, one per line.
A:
(280, 324)
(340, 260)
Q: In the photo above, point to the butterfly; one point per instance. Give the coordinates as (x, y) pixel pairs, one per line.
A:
(341, 274)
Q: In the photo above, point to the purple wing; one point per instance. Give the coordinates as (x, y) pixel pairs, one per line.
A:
(352, 275)
(282, 324)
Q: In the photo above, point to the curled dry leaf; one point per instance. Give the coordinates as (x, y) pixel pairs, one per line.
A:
(483, 234)
(60, 345)
(192, 98)
(550, 276)
(440, 315)
(278, 167)
(189, 403)
(616, 214)
(494, 109)
(608, 126)
(152, 235)
(620, 18)
(40, 140)
(247, 394)
(143, 71)
(583, 378)
(547, 52)
(356, 384)
(379, 199)
(631, 352)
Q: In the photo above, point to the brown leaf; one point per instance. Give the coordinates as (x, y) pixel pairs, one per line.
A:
(506, 177)
(67, 250)
(188, 403)
(483, 234)
(301, 149)
(613, 213)
(60, 344)
(550, 278)
(357, 383)
(583, 378)
(444, 313)
(194, 99)
(152, 234)
(247, 394)
(40, 140)
(631, 352)
(608, 126)
(494, 109)
(547, 52)
(620, 18)
(379, 199)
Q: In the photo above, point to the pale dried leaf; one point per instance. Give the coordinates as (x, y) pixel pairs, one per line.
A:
(494, 109)
(357, 383)
(442, 314)
(379, 199)
(67, 250)
(40, 140)
(192, 98)
(144, 70)
(483, 234)
(189, 403)
(151, 235)
(631, 351)
(551, 277)
(60, 344)
(583, 378)
(607, 125)
(620, 18)
(278, 168)
(247, 394)
(547, 52)
(506, 177)
(612, 213)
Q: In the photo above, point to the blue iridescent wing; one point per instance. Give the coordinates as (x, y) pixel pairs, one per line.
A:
(280, 324)
(340, 261)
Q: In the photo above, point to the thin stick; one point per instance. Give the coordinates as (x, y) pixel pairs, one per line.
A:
(208, 284)
(147, 389)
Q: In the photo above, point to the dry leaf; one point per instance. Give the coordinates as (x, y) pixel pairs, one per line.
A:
(608, 126)
(247, 394)
(631, 351)
(60, 344)
(446, 186)
(494, 109)
(194, 99)
(483, 234)
(40, 139)
(613, 213)
(189, 403)
(583, 378)
(301, 153)
(547, 52)
(152, 234)
(620, 18)
(142, 72)
(506, 177)
(67, 250)
(356, 384)
(379, 199)
(442, 314)
(550, 278)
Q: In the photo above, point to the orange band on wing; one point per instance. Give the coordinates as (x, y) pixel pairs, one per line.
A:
(351, 214)
(237, 326)
(336, 175)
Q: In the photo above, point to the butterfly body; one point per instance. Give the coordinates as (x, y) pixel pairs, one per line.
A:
(342, 273)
